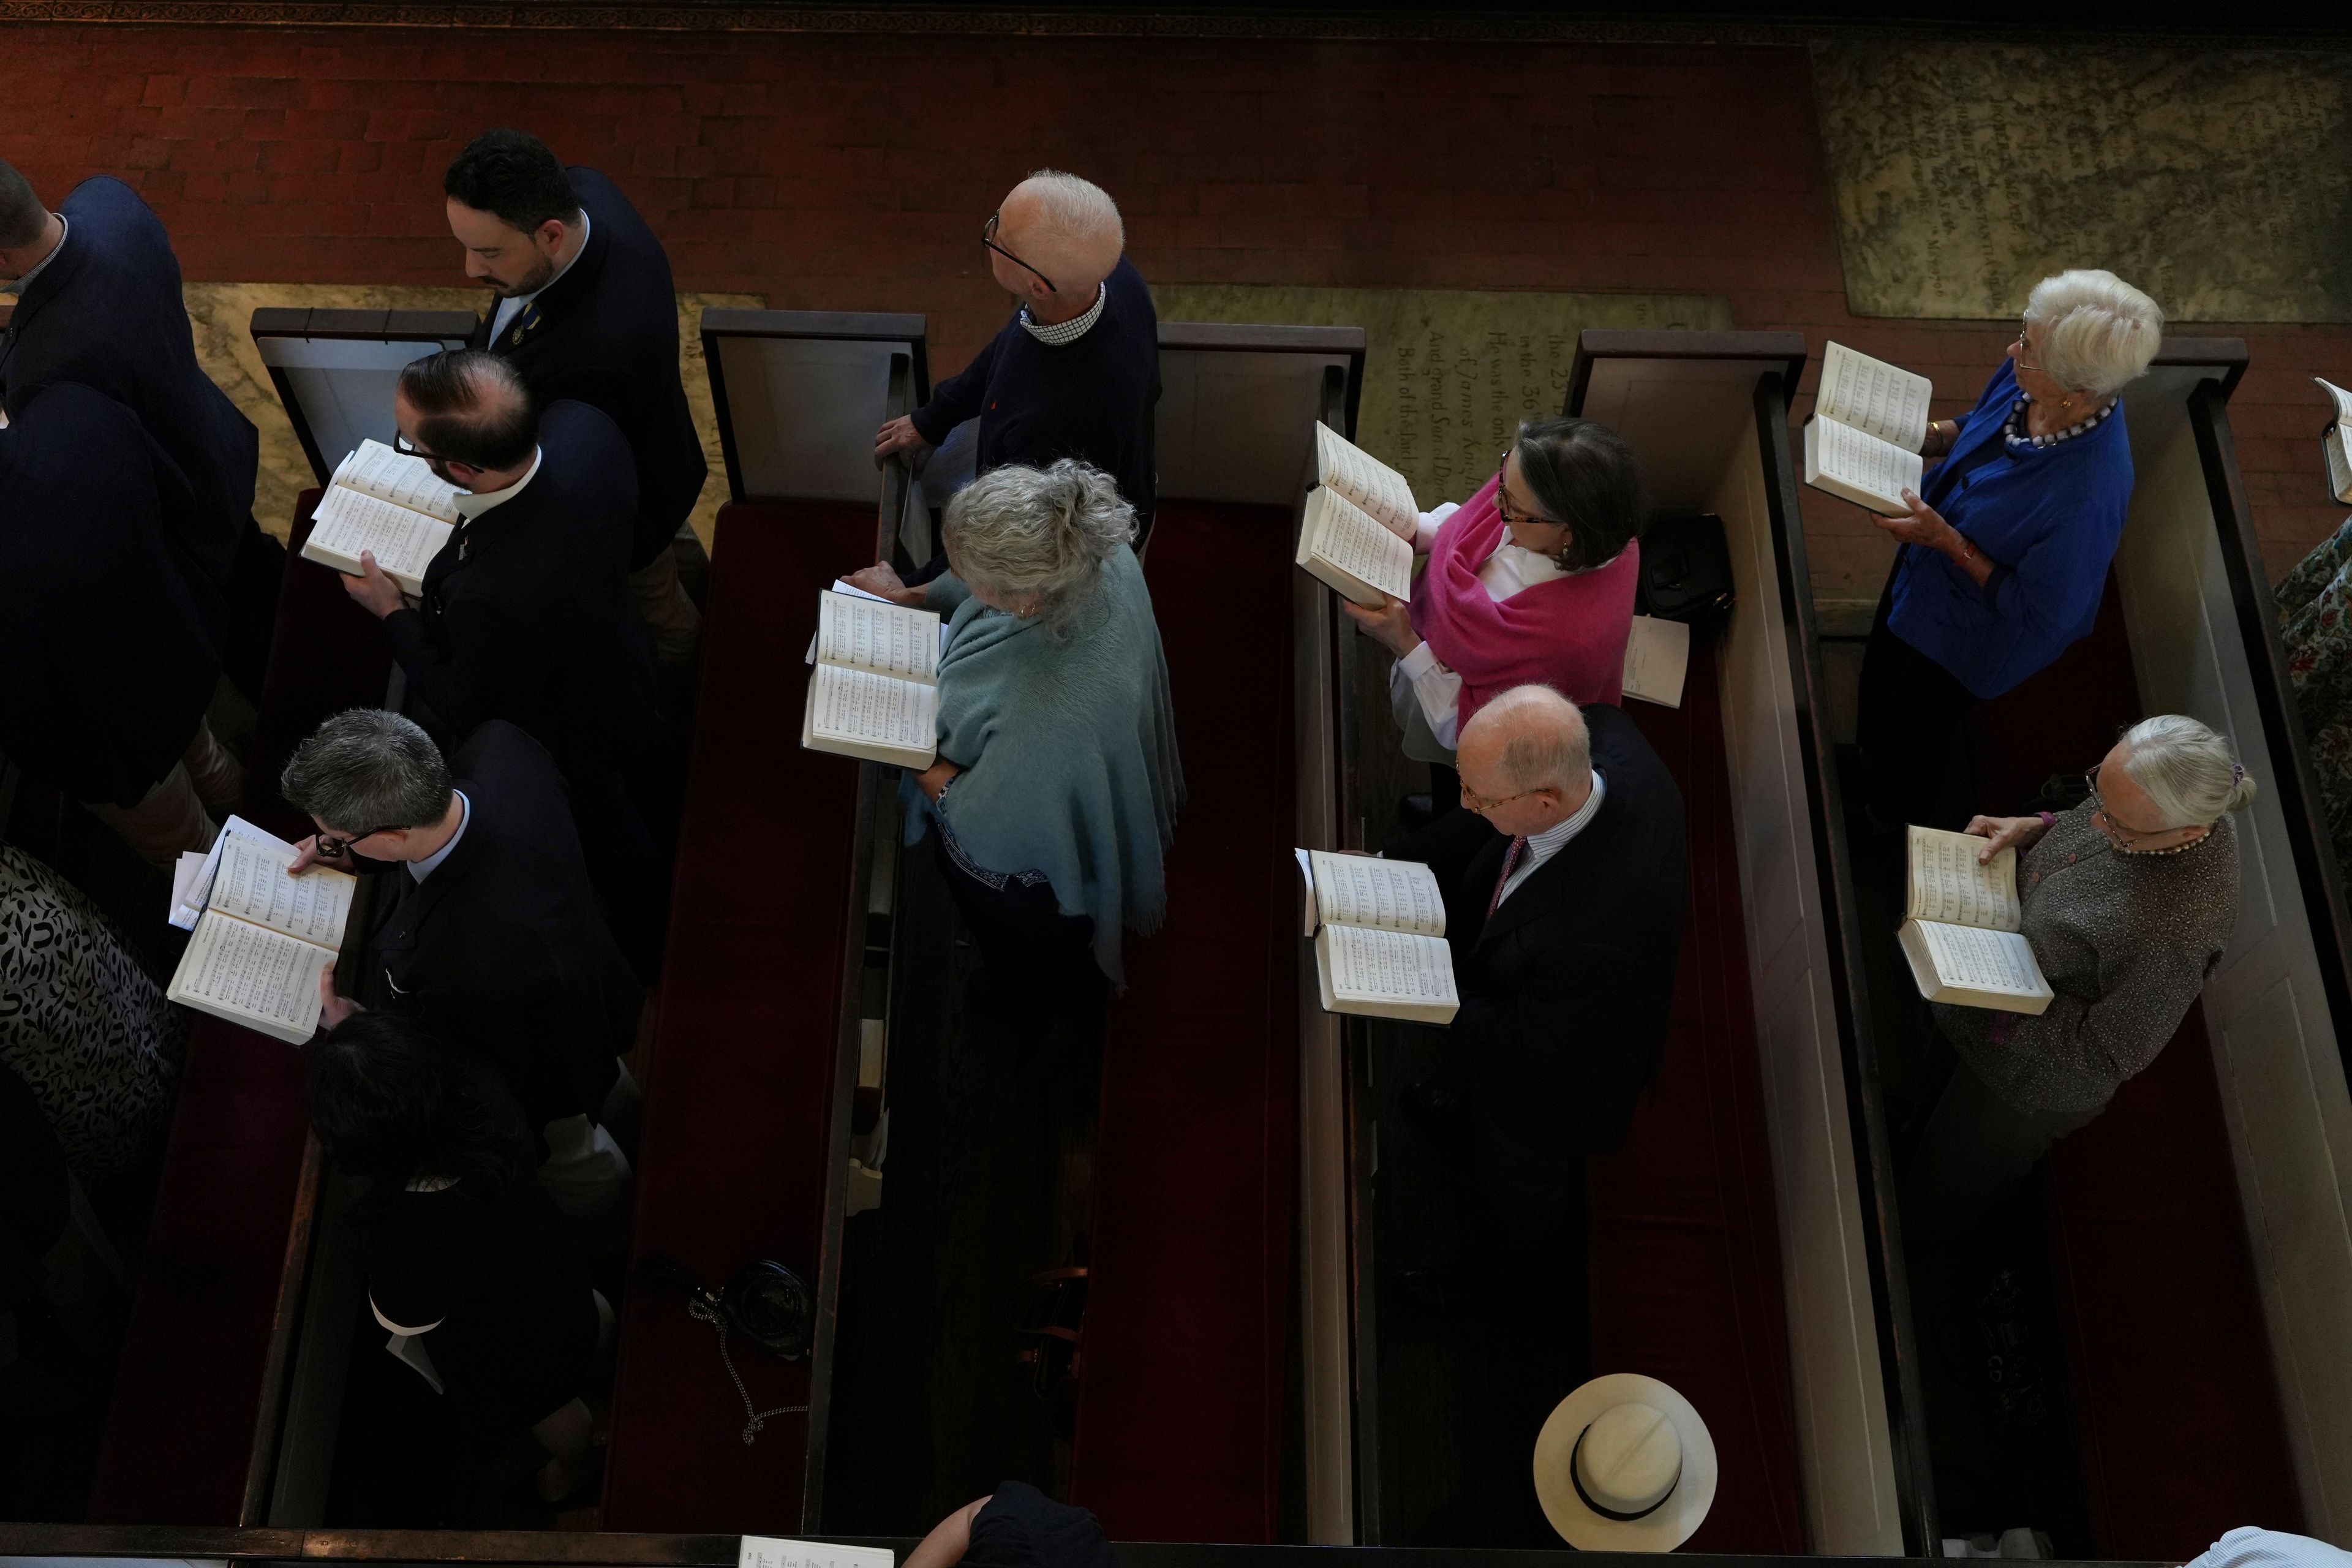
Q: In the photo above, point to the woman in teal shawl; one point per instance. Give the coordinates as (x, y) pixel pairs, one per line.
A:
(1057, 782)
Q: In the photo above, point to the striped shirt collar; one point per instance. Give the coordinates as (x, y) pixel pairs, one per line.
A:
(1073, 328)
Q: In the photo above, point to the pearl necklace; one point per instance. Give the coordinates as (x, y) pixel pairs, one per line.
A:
(2204, 837)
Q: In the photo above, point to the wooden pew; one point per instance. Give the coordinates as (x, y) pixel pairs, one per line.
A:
(746, 1147)
(192, 1433)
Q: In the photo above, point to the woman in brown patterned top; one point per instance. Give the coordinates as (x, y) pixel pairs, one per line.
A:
(2129, 901)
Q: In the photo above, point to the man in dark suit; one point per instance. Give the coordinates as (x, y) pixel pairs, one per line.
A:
(584, 307)
(98, 302)
(525, 614)
(109, 650)
(1565, 888)
(488, 930)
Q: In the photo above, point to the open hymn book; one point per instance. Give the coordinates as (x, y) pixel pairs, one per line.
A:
(387, 502)
(874, 691)
(2335, 442)
(1380, 937)
(1357, 532)
(1870, 419)
(262, 938)
(1960, 932)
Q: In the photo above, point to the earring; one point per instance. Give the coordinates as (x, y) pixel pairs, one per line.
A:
(2065, 403)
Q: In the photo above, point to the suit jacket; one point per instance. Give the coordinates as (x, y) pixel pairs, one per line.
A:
(109, 650)
(607, 333)
(526, 613)
(106, 312)
(503, 948)
(1567, 990)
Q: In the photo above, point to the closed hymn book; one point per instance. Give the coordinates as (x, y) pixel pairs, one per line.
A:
(264, 938)
(1380, 937)
(873, 690)
(2335, 442)
(386, 503)
(1960, 927)
(1869, 423)
(1356, 534)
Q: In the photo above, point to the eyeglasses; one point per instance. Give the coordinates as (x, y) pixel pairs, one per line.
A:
(2016, 353)
(2116, 830)
(408, 448)
(1503, 498)
(987, 238)
(1482, 805)
(333, 847)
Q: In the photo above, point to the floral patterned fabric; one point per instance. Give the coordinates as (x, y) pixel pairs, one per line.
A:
(2315, 611)
(81, 1023)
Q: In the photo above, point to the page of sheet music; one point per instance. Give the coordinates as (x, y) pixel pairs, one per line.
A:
(1394, 894)
(1349, 539)
(855, 705)
(1946, 883)
(399, 479)
(243, 967)
(1363, 479)
(2341, 398)
(1865, 462)
(252, 885)
(405, 542)
(1874, 396)
(887, 639)
(1395, 964)
(1982, 960)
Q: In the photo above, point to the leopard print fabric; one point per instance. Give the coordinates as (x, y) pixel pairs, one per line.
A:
(81, 1023)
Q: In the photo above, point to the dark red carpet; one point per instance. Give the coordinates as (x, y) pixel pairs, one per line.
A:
(1686, 1255)
(186, 1409)
(733, 1163)
(1189, 1313)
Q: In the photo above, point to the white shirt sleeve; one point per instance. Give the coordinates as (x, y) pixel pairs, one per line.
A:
(1439, 691)
(1424, 529)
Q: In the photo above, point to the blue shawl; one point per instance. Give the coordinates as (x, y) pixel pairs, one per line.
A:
(1067, 743)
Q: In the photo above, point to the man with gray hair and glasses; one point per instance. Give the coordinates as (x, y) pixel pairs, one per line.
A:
(1076, 372)
(486, 928)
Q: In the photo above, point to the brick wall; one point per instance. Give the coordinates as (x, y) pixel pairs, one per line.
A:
(852, 172)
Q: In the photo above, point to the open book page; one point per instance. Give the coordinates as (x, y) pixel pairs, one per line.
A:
(856, 705)
(1860, 468)
(252, 976)
(1657, 657)
(403, 541)
(879, 637)
(1342, 545)
(2339, 463)
(1874, 397)
(190, 897)
(1362, 964)
(252, 885)
(1998, 966)
(375, 469)
(2337, 395)
(1372, 485)
(1393, 895)
(1947, 884)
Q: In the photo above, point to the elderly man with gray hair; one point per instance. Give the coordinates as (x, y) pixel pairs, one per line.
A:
(1076, 373)
(2128, 903)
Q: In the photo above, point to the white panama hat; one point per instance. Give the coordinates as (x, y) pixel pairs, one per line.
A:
(1624, 1463)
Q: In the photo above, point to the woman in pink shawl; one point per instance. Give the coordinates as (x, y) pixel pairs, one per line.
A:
(1530, 581)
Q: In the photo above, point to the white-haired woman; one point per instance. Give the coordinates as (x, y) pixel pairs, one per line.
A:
(2128, 900)
(2005, 556)
(1058, 783)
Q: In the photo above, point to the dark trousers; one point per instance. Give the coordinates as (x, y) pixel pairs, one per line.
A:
(254, 577)
(629, 872)
(1036, 960)
(1976, 1149)
(1912, 725)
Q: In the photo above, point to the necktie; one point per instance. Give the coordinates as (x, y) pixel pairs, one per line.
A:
(1510, 864)
(524, 322)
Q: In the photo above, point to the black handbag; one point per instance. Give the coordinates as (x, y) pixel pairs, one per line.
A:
(1685, 570)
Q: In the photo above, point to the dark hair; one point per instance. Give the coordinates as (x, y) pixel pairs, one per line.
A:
(21, 216)
(475, 407)
(514, 174)
(365, 768)
(391, 1101)
(1582, 474)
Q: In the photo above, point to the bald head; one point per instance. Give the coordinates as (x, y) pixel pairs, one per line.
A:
(1067, 228)
(469, 410)
(1529, 753)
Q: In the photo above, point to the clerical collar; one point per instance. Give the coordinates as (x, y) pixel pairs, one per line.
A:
(471, 506)
(1073, 328)
(511, 306)
(65, 230)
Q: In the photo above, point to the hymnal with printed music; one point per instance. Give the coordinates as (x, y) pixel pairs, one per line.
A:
(1870, 420)
(387, 503)
(1380, 937)
(1961, 931)
(874, 691)
(1357, 532)
(261, 937)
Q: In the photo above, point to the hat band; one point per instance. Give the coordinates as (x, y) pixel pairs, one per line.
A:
(1575, 1480)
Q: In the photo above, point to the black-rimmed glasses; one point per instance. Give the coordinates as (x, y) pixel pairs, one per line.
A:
(987, 238)
(408, 448)
(331, 847)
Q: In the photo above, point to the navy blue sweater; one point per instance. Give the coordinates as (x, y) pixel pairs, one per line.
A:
(1091, 399)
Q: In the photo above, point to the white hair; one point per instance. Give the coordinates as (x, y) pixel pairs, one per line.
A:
(2186, 770)
(1076, 211)
(1546, 746)
(1039, 534)
(2098, 333)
